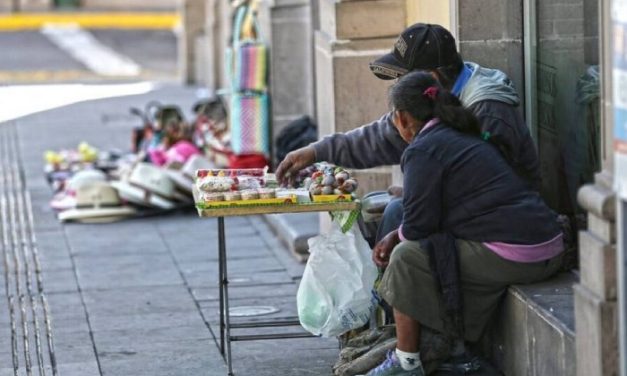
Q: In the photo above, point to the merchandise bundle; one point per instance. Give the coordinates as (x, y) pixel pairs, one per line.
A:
(155, 177)
(220, 188)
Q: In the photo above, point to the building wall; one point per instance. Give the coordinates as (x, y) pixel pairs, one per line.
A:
(429, 11)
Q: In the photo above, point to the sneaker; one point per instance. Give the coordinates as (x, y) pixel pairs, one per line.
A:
(392, 367)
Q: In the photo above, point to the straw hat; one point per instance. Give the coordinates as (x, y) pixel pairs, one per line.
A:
(148, 185)
(97, 201)
(184, 178)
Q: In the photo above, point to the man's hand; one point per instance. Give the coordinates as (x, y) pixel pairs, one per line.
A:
(383, 249)
(294, 162)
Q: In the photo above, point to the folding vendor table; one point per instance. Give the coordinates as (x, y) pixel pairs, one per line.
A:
(225, 325)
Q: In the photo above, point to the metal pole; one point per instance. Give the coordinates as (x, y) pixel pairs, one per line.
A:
(220, 280)
(224, 289)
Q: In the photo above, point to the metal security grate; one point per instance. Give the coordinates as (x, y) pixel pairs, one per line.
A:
(32, 344)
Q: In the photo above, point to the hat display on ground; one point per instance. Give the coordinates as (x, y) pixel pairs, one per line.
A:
(184, 177)
(67, 198)
(420, 46)
(97, 201)
(148, 185)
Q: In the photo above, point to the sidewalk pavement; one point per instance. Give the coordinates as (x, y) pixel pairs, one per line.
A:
(140, 297)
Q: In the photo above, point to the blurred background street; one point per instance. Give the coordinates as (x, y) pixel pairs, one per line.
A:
(137, 297)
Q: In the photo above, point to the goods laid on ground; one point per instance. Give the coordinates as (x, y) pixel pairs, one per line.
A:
(155, 177)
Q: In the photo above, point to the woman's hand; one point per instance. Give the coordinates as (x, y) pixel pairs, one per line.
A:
(383, 249)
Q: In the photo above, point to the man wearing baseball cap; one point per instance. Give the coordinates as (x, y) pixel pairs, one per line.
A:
(487, 93)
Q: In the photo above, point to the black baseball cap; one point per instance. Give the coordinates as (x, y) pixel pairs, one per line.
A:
(420, 46)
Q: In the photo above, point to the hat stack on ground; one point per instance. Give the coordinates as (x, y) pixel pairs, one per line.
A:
(97, 202)
(95, 186)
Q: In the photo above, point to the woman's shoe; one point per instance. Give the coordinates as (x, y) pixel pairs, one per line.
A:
(392, 367)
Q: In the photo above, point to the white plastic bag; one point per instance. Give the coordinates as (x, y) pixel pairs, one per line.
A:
(335, 293)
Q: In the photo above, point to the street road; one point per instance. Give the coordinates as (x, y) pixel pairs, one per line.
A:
(62, 53)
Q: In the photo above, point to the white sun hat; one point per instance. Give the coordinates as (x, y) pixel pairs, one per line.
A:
(183, 178)
(148, 185)
(97, 201)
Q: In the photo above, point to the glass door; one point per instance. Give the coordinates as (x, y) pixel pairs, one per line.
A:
(562, 69)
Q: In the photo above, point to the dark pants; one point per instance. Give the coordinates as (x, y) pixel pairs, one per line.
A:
(392, 218)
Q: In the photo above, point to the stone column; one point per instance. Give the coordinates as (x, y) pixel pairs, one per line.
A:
(493, 38)
(216, 39)
(596, 322)
(286, 26)
(193, 26)
(353, 33)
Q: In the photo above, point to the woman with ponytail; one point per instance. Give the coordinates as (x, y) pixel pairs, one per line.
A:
(471, 227)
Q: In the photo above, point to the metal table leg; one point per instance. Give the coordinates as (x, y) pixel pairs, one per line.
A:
(225, 327)
(220, 279)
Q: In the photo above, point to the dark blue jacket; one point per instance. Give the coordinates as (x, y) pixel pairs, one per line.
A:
(460, 184)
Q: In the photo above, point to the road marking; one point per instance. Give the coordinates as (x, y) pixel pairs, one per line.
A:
(85, 48)
(35, 21)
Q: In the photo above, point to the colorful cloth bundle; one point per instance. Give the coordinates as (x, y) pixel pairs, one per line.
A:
(250, 123)
(247, 67)
(251, 67)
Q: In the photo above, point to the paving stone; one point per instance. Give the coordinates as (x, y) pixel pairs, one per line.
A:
(244, 292)
(235, 266)
(171, 358)
(111, 340)
(139, 300)
(79, 369)
(54, 264)
(193, 253)
(65, 306)
(114, 240)
(146, 321)
(314, 356)
(66, 354)
(127, 271)
(201, 278)
(61, 280)
(66, 369)
(70, 328)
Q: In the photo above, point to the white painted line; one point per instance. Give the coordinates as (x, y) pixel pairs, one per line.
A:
(85, 48)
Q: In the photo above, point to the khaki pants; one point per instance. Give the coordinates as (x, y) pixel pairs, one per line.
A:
(409, 286)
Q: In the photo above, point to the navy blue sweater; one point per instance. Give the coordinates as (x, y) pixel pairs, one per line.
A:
(462, 185)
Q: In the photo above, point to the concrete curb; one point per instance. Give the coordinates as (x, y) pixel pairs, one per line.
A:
(294, 230)
(104, 20)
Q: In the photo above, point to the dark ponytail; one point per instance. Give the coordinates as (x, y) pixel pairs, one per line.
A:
(423, 98)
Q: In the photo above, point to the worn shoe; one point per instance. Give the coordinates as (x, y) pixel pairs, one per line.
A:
(392, 367)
